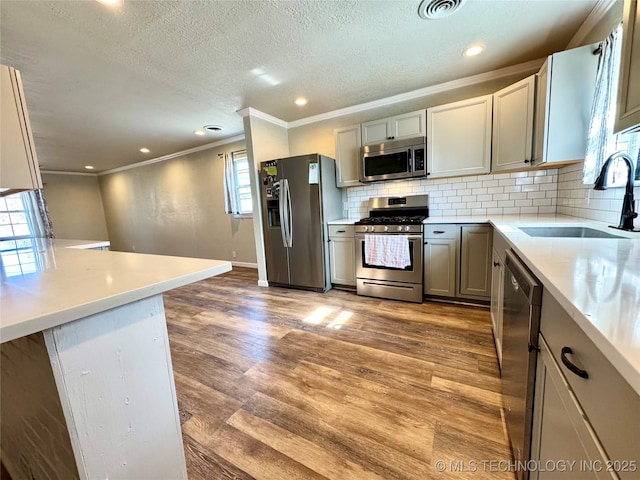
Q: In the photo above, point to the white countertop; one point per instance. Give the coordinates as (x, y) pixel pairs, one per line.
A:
(72, 283)
(596, 280)
(81, 244)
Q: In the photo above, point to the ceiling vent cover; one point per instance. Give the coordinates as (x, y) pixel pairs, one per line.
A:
(434, 9)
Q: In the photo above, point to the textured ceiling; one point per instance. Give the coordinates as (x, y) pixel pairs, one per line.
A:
(102, 82)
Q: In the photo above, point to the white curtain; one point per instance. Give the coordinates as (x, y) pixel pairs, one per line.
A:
(601, 141)
(37, 214)
(230, 197)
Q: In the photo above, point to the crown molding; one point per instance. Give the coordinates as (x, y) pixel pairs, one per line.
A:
(61, 172)
(252, 112)
(597, 13)
(206, 146)
(522, 68)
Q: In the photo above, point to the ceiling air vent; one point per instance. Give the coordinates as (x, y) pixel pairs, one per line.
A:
(434, 9)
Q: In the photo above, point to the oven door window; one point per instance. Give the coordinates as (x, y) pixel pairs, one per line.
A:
(387, 164)
(408, 268)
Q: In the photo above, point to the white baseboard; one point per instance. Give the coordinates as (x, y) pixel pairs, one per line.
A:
(245, 264)
(263, 283)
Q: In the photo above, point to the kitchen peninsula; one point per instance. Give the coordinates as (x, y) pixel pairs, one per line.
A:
(87, 381)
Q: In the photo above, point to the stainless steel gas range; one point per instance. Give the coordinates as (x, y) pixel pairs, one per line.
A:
(389, 262)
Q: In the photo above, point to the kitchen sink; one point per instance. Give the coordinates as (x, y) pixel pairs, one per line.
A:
(569, 232)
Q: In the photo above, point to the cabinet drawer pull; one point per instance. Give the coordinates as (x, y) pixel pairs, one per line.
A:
(567, 363)
(340, 231)
(438, 231)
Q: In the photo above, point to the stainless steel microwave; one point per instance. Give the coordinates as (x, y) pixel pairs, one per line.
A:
(394, 160)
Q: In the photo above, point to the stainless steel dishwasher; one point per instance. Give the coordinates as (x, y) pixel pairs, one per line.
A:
(521, 325)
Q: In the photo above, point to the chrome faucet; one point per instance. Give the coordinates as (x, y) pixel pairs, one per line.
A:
(628, 214)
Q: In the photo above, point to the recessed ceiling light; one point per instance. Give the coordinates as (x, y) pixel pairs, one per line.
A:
(199, 132)
(300, 101)
(89, 167)
(144, 150)
(473, 50)
(112, 3)
(213, 128)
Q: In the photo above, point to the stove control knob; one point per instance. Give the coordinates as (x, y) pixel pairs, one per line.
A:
(386, 228)
(372, 229)
(407, 228)
(399, 228)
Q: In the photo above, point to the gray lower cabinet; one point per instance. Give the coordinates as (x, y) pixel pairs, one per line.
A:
(475, 261)
(457, 261)
(560, 431)
(342, 261)
(497, 299)
(500, 246)
(591, 416)
(440, 260)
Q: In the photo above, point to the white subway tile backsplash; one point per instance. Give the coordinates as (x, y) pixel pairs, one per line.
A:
(529, 209)
(574, 198)
(536, 195)
(513, 188)
(473, 195)
(524, 181)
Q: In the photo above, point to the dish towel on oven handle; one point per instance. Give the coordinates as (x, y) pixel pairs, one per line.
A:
(387, 250)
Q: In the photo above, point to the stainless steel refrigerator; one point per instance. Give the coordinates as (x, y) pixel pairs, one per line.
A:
(298, 195)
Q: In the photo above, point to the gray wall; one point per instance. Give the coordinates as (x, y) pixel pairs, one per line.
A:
(176, 207)
(75, 206)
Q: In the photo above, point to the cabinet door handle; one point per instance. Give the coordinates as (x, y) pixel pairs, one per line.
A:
(426, 243)
(438, 232)
(567, 363)
(527, 161)
(496, 264)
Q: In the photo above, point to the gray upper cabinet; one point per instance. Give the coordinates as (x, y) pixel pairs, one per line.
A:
(407, 125)
(564, 97)
(348, 142)
(513, 111)
(18, 162)
(459, 138)
(628, 112)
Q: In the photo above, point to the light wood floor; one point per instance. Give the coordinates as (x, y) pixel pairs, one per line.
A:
(279, 384)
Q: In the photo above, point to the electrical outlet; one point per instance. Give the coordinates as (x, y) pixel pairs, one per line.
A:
(233, 254)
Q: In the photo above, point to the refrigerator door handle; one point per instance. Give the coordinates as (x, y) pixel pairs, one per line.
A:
(281, 200)
(289, 216)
